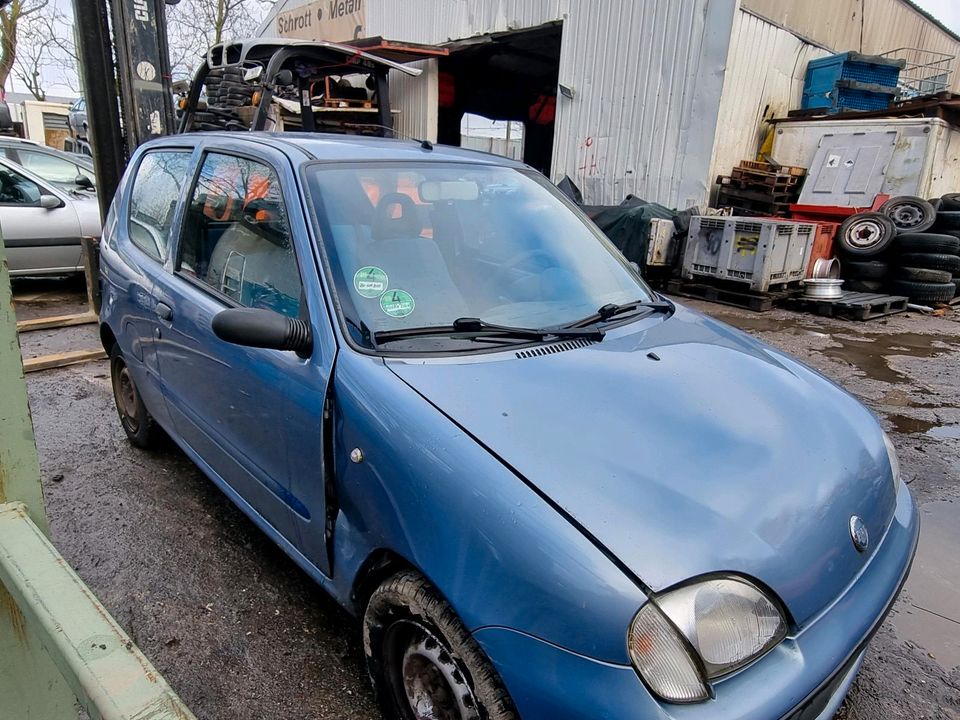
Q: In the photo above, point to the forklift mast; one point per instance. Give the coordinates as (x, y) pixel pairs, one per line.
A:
(141, 72)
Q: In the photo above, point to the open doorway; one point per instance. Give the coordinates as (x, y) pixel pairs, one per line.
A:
(509, 79)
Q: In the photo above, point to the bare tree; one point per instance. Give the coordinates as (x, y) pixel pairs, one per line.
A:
(195, 25)
(11, 17)
(45, 51)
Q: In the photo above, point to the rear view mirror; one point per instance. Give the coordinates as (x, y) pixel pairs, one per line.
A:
(432, 191)
(50, 202)
(254, 327)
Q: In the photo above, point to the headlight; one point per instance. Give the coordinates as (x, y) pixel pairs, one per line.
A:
(699, 632)
(894, 462)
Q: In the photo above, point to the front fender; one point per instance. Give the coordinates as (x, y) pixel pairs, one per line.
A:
(499, 553)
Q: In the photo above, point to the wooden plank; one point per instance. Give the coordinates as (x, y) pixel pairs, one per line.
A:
(48, 362)
(56, 321)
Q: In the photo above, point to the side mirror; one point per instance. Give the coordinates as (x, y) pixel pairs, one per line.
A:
(252, 74)
(50, 202)
(82, 181)
(264, 329)
(283, 78)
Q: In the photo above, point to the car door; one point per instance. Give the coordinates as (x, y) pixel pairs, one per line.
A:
(142, 239)
(39, 239)
(251, 416)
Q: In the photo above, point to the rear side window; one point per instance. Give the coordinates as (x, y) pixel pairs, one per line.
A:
(51, 168)
(153, 201)
(237, 239)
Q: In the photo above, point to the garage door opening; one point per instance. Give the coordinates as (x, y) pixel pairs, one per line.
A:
(510, 76)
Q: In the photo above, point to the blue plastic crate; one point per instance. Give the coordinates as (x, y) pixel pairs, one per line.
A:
(851, 95)
(823, 75)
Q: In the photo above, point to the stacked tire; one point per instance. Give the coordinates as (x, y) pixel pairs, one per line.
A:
(226, 91)
(865, 241)
(909, 247)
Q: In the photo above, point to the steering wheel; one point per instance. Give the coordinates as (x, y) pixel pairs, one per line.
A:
(513, 263)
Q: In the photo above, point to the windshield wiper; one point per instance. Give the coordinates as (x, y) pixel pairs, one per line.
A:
(472, 328)
(611, 310)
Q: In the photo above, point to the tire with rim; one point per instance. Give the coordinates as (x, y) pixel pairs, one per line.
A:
(866, 234)
(923, 275)
(947, 220)
(927, 243)
(136, 420)
(950, 202)
(910, 214)
(865, 269)
(422, 660)
(924, 293)
(931, 261)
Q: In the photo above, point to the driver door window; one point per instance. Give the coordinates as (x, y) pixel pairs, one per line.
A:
(237, 241)
(15, 189)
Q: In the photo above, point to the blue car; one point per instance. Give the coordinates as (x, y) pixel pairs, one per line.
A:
(545, 491)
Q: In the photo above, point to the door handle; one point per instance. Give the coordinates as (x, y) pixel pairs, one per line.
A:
(163, 311)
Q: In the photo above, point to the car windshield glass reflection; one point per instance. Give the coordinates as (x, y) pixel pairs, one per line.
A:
(418, 246)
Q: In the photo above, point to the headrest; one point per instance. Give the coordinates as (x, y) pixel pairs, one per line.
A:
(387, 227)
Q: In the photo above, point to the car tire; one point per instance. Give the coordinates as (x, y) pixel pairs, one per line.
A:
(947, 220)
(411, 633)
(863, 286)
(865, 269)
(923, 275)
(937, 203)
(924, 293)
(931, 261)
(910, 214)
(927, 243)
(866, 234)
(949, 202)
(137, 422)
(956, 282)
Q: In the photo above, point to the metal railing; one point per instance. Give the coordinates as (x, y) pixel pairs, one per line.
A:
(926, 72)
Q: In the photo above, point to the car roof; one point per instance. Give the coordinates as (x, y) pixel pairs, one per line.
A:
(347, 148)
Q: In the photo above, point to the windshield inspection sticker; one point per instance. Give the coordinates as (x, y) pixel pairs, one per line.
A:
(370, 281)
(397, 303)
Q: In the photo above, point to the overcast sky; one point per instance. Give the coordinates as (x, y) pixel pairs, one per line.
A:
(946, 11)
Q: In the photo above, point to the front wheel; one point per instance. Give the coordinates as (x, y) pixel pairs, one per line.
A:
(423, 663)
(136, 420)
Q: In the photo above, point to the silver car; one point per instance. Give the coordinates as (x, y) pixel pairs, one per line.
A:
(42, 224)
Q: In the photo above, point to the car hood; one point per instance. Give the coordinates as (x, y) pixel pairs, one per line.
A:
(684, 447)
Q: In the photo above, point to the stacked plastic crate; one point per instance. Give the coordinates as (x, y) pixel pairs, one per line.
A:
(851, 81)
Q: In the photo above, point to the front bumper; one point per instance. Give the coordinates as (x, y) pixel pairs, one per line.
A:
(806, 677)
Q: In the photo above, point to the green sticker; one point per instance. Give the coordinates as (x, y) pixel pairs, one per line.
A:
(397, 303)
(370, 281)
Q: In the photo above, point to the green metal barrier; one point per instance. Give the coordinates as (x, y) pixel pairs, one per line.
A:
(60, 650)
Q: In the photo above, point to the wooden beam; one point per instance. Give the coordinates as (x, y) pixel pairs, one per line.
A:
(56, 321)
(48, 362)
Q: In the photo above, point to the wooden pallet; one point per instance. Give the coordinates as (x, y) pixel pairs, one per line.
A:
(852, 305)
(764, 167)
(753, 177)
(725, 295)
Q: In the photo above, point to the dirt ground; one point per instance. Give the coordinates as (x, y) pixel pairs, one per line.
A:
(242, 633)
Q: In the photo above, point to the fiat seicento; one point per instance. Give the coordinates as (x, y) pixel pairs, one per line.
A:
(544, 490)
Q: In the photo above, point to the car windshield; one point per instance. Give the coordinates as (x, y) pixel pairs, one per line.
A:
(422, 245)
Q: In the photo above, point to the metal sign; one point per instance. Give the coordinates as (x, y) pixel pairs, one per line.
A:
(141, 46)
(334, 20)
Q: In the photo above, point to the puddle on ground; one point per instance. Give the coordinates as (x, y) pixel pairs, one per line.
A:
(869, 353)
(895, 397)
(906, 425)
(759, 323)
(951, 432)
(931, 618)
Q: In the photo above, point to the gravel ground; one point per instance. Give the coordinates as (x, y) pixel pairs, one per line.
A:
(242, 633)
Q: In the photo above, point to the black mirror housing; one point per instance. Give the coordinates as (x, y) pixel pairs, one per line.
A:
(83, 181)
(254, 327)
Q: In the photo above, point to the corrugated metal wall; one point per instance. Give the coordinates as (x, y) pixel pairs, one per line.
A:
(869, 26)
(647, 79)
(764, 79)
(416, 99)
